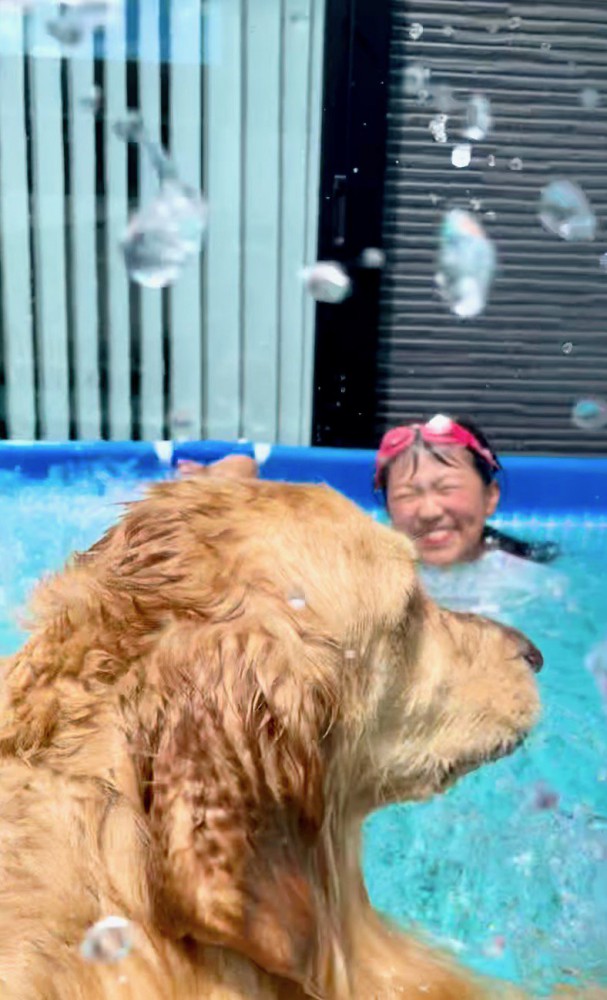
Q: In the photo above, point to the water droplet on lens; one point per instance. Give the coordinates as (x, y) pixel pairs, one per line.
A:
(165, 235)
(438, 128)
(466, 263)
(514, 23)
(461, 155)
(590, 414)
(478, 118)
(327, 281)
(590, 98)
(516, 163)
(567, 347)
(565, 211)
(109, 940)
(416, 31)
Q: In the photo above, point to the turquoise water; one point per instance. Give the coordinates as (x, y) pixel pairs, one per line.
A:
(509, 869)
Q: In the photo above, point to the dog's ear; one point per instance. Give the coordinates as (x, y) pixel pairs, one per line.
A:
(238, 806)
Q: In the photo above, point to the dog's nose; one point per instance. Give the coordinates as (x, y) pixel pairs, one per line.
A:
(532, 655)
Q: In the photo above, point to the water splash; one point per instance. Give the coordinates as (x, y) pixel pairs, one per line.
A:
(168, 232)
(590, 414)
(437, 127)
(565, 211)
(76, 19)
(461, 155)
(466, 263)
(327, 281)
(478, 118)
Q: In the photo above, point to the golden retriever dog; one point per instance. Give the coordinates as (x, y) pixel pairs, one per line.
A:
(210, 701)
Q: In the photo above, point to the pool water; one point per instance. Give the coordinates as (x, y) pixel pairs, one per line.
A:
(509, 868)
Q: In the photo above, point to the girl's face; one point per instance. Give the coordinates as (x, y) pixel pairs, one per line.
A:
(443, 507)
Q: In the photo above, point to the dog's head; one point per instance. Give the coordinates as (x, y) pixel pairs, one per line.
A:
(285, 674)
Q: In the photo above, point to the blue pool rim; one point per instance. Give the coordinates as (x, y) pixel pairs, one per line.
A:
(531, 485)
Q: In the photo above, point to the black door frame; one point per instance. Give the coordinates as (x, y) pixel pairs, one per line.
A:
(353, 154)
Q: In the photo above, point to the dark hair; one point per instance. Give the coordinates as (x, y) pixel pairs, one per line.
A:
(540, 552)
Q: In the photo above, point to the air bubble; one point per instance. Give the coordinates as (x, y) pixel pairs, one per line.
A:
(327, 281)
(565, 211)
(516, 163)
(372, 257)
(109, 940)
(416, 78)
(416, 31)
(567, 347)
(491, 160)
(514, 23)
(448, 31)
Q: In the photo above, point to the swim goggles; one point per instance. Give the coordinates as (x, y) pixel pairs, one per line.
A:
(440, 430)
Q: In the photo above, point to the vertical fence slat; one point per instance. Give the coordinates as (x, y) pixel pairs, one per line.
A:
(314, 133)
(223, 176)
(261, 219)
(16, 315)
(50, 299)
(294, 115)
(83, 224)
(117, 333)
(152, 385)
(185, 296)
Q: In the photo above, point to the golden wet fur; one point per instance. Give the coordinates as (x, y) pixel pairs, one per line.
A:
(210, 701)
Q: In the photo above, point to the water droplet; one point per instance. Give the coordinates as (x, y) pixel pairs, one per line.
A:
(109, 940)
(443, 98)
(590, 414)
(416, 31)
(590, 98)
(163, 236)
(77, 20)
(416, 78)
(448, 31)
(516, 163)
(297, 600)
(461, 155)
(91, 101)
(565, 211)
(496, 947)
(567, 347)
(514, 23)
(372, 257)
(478, 118)
(491, 160)
(466, 263)
(438, 128)
(327, 281)
(544, 797)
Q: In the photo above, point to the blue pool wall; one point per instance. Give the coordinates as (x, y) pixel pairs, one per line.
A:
(534, 485)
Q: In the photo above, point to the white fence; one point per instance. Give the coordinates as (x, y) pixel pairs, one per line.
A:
(228, 351)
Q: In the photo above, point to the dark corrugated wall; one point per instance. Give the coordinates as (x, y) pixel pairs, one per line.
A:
(505, 368)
